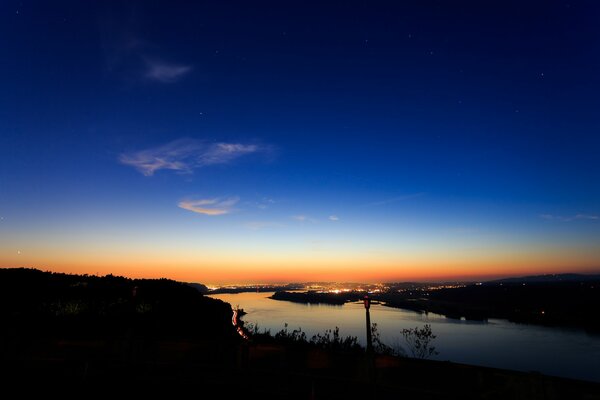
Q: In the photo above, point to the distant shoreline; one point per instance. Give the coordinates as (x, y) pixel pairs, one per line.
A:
(561, 305)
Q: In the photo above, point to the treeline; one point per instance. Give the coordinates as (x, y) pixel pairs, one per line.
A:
(572, 304)
(314, 297)
(39, 304)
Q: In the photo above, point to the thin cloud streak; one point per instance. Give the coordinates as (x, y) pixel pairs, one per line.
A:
(304, 218)
(575, 217)
(166, 72)
(135, 59)
(185, 155)
(587, 216)
(265, 203)
(211, 207)
(334, 218)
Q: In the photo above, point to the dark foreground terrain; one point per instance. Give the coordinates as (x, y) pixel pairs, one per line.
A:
(85, 335)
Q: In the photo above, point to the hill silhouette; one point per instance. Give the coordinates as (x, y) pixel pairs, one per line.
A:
(41, 304)
(81, 334)
(548, 278)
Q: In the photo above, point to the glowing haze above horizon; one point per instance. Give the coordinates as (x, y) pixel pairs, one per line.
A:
(231, 142)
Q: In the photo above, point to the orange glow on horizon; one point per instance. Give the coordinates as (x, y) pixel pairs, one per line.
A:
(303, 268)
(273, 264)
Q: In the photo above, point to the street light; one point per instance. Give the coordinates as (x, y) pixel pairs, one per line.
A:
(367, 303)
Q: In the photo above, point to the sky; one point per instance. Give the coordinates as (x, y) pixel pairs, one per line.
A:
(232, 142)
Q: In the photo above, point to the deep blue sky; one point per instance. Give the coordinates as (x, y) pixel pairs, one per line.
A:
(303, 135)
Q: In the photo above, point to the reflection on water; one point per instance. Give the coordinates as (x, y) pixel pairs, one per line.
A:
(497, 343)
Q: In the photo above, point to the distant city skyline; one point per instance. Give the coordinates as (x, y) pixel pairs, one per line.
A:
(245, 143)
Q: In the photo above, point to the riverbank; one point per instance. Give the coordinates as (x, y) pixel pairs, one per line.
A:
(571, 304)
(495, 343)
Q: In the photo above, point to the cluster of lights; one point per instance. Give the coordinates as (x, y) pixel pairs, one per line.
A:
(438, 287)
(337, 288)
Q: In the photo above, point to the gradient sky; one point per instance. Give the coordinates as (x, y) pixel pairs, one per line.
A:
(276, 141)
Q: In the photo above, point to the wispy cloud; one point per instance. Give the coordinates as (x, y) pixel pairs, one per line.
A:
(570, 218)
(587, 216)
(128, 55)
(334, 218)
(215, 206)
(265, 203)
(304, 218)
(220, 153)
(164, 72)
(396, 199)
(185, 155)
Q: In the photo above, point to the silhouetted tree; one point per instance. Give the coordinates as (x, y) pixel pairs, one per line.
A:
(331, 339)
(296, 335)
(419, 341)
(378, 345)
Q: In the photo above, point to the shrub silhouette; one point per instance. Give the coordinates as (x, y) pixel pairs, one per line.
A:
(419, 341)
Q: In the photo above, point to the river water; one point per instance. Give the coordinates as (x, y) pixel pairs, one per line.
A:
(496, 343)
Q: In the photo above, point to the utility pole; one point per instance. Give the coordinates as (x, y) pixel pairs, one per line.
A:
(367, 302)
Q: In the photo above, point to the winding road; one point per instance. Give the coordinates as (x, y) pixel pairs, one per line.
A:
(236, 323)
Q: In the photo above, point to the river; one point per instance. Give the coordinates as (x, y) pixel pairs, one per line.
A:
(560, 352)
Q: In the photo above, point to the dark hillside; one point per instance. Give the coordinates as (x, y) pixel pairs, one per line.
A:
(43, 305)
